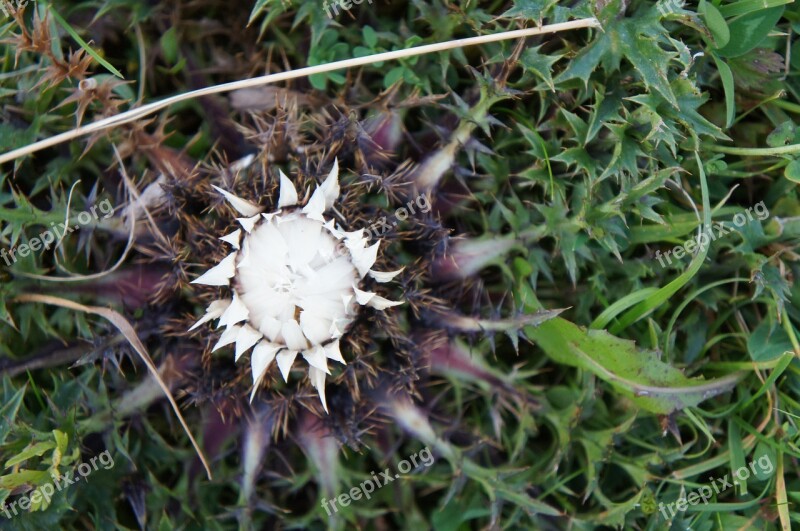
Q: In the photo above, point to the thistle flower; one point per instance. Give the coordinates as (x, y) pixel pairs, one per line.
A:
(295, 279)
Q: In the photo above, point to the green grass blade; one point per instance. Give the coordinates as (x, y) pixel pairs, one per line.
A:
(83, 44)
(686, 303)
(662, 295)
(726, 76)
(748, 6)
(620, 306)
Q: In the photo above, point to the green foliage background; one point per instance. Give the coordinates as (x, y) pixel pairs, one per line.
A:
(604, 147)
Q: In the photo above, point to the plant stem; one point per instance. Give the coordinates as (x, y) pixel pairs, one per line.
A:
(145, 110)
(787, 326)
(754, 152)
(786, 105)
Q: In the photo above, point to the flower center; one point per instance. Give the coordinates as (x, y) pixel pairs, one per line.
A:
(296, 281)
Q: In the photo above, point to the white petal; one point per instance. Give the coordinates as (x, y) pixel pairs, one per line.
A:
(269, 216)
(379, 303)
(316, 206)
(315, 326)
(219, 274)
(331, 226)
(355, 238)
(330, 188)
(269, 326)
(233, 238)
(244, 254)
(242, 163)
(248, 337)
(293, 336)
(385, 276)
(325, 195)
(336, 328)
(335, 276)
(228, 336)
(288, 195)
(364, 259)
(266, 245)
(260, 360)
(328, 251)
(347, 304)
(248, 223)
(332, 352)
(317, 378)
(363, 297)
(285, 361)
(368, 298)
(302, 236)
(245, 208)
(235, 313)
(214, 310)
(301, 256)
(316, 357)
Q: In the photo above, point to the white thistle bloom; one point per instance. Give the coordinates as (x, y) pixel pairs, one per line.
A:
(295, 279)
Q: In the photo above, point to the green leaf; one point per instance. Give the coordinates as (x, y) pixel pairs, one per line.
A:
(768, 341)
(716, 23)
(792, 171)
(726, 76)
(361, 51)
(8, 412)
(33, 450)
(74, 34)
(587, 60)
(455, 513)
(764, 457)
(629, 300)
(5, 315)
(370, 37)
(393, 75)
(781, 364)
(736, 454)
(62, 441)
(661, 296)
(318, 81)
(638, 374)
(530, 9)
(23, 477)
(169, 45)
(648, 58)
(539, 65)
(782, 135)
(261, 6)
(744, 7)
(751, 30)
